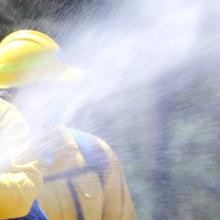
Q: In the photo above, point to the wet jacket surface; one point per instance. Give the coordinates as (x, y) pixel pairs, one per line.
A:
(19, 183)
(75, 189)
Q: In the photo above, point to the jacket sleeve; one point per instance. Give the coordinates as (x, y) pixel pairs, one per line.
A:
(118, 204)
(18, 189)
(19, 184)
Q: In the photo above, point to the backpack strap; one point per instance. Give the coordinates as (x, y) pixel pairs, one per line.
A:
(96, 161)
(94, 155)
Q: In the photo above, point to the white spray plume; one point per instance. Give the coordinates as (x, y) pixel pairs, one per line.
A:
(136, 41)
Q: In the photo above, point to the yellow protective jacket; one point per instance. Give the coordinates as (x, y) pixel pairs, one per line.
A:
(75, 190)
(19, 184)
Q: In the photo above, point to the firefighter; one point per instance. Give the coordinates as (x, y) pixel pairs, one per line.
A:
(19, 183)
(83, 179)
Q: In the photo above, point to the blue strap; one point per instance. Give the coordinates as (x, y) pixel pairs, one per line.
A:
(94, 155)
(36, 213)
(85, 142)
(95, 158)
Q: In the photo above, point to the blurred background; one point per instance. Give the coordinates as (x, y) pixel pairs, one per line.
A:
(152, 91)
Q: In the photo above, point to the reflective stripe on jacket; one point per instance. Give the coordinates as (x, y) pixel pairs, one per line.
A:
(75, 188)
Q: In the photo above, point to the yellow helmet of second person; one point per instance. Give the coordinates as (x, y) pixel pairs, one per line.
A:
(23, 51)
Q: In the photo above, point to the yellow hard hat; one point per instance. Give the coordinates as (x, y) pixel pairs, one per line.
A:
(23, 51)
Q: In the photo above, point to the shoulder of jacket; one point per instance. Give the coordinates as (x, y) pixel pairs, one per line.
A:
(91, 143)
(95, 153)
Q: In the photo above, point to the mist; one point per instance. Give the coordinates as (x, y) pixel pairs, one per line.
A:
(150, 88)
